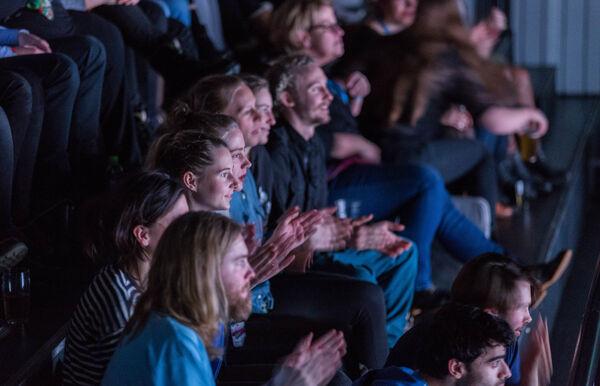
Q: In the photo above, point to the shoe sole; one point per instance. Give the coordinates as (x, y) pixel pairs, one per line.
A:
(562, 267)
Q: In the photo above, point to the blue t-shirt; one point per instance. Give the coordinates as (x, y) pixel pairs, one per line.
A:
(391, 376)
(246, 208)
(165, 352)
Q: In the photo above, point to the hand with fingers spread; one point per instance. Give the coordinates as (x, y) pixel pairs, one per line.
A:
(381, 237)
(331, 233)
(536, 366)
(301, 225)
(271, 258)
(313, 362)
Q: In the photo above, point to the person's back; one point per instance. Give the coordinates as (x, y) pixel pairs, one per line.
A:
(96, 326)
(163, 352)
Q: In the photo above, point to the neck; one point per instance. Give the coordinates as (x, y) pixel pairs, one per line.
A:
(306, 131)
(139, 271)
(196, 206)
(437, 382)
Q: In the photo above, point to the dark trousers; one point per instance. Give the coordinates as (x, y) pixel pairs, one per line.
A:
(23, 113)
(463, 163)
(54, 79)
(119, 94)
(116, 91)
(318, 302)
(6, 174)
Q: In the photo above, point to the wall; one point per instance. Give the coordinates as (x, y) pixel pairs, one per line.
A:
(560, 33)
(564, 34)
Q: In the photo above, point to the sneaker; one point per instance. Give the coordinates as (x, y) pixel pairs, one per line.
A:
(549, 273)
(11, 253)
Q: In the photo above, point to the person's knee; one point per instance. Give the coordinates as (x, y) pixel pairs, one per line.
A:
(366, 294)
(427, 176)
(95, 54)
(18, 90)
(65, 73)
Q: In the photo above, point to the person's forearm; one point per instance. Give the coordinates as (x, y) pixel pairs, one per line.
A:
(505, 120)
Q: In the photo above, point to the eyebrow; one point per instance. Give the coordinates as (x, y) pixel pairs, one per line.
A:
(237, 149)
(496, 358)
(223, 170)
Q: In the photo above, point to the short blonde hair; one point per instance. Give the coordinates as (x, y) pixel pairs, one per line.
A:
(291, 18)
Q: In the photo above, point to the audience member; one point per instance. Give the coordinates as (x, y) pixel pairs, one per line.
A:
(466, 346)
(377, 254)
(129, 230)
(199, 281)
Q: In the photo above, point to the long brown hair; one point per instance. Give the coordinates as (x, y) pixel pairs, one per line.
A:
(415, 62)
(184, 281)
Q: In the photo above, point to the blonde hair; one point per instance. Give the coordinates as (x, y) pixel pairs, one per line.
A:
(211, 94)
(290, 19)
(184, 281)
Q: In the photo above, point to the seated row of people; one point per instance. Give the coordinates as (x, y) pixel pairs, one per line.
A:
(205, 153)
(358, 271)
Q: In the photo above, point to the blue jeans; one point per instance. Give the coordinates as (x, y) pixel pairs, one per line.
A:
(416, 195)
(395, 276)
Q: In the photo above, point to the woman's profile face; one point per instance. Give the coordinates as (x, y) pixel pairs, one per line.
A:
(157, 228)
(237, 146)
(214, 186)
(242, 108)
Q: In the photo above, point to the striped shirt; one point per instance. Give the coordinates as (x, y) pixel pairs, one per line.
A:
(96, 326)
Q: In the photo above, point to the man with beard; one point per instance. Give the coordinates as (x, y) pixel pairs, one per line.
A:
(465, 347)
(199, 281)
(369, 252)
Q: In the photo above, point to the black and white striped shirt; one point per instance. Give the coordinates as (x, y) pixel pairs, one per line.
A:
(96, 326)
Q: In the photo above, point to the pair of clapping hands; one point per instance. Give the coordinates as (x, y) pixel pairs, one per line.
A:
(334, 234)
(298, 235)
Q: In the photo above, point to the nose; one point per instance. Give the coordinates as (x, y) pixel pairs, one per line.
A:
(270, 118)
(327, 94)
(245, 163)
(527, 318)
(505, 372)
(250, 273)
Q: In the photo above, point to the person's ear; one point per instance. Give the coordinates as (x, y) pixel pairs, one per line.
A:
(189, 181)
(456, 368)
(142, 235)
(492, 311)
(286, 99)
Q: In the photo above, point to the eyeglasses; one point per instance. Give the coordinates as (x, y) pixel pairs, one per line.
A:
(335, 27)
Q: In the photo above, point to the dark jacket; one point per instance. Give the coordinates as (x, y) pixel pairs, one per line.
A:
(299, 172)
